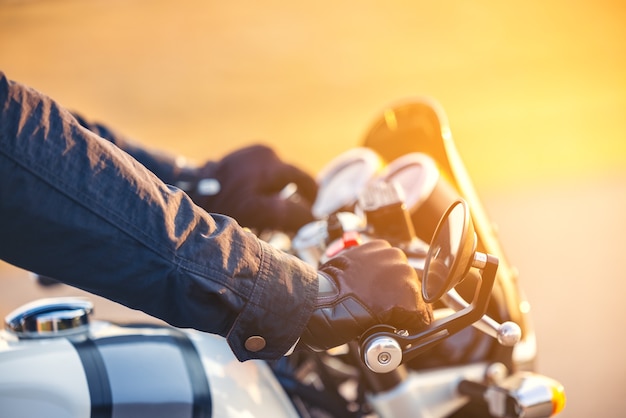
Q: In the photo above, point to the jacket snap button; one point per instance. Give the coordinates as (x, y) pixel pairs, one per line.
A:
(255, 343)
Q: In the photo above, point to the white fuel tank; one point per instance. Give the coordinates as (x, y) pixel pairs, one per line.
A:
(54, 363)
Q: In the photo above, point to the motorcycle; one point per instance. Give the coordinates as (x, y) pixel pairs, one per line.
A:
(407, 184)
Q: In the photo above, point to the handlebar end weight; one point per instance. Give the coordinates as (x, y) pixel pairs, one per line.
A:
(382, 354)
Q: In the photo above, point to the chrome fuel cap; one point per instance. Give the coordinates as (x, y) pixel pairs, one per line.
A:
(46, 318)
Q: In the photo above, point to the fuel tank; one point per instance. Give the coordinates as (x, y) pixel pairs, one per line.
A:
(54, 362)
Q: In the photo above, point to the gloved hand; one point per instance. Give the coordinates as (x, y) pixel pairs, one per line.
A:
(245, 185)
(364, 286)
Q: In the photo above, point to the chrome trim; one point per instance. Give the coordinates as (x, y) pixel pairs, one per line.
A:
(47, 318)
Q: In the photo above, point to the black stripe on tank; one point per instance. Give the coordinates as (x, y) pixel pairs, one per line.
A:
(202, 406)
(202, 402)
(97, 378)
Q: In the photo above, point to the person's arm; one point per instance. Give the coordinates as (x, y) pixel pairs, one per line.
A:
(171, 169)
(75, 207)
(244, 184)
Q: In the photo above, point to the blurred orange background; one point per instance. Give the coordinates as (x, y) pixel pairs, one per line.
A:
(535, 93)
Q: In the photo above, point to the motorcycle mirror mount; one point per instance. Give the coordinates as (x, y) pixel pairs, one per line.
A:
(451, 254)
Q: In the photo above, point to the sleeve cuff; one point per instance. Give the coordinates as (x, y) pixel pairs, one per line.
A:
(277, 312)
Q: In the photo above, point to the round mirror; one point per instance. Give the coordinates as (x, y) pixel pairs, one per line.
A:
(450, 254)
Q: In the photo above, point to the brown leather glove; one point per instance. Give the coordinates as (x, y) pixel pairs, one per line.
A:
(364, 286)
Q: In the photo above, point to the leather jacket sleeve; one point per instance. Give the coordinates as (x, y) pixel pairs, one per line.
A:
(75, 207)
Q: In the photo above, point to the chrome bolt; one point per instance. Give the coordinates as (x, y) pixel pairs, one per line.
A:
(384, 358)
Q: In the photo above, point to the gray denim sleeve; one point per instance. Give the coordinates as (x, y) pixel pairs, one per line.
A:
(75, 207)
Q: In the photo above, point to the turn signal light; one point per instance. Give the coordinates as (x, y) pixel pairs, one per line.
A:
(558, 399)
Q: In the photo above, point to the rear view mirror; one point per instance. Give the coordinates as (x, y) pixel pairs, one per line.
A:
(451, 252)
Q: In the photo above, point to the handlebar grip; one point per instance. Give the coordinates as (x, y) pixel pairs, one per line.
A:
(474, 390)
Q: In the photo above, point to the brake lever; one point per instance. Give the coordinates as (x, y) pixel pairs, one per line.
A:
(384, 348)
(507, 333)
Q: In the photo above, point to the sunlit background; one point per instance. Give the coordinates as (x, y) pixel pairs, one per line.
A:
(535, 92)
